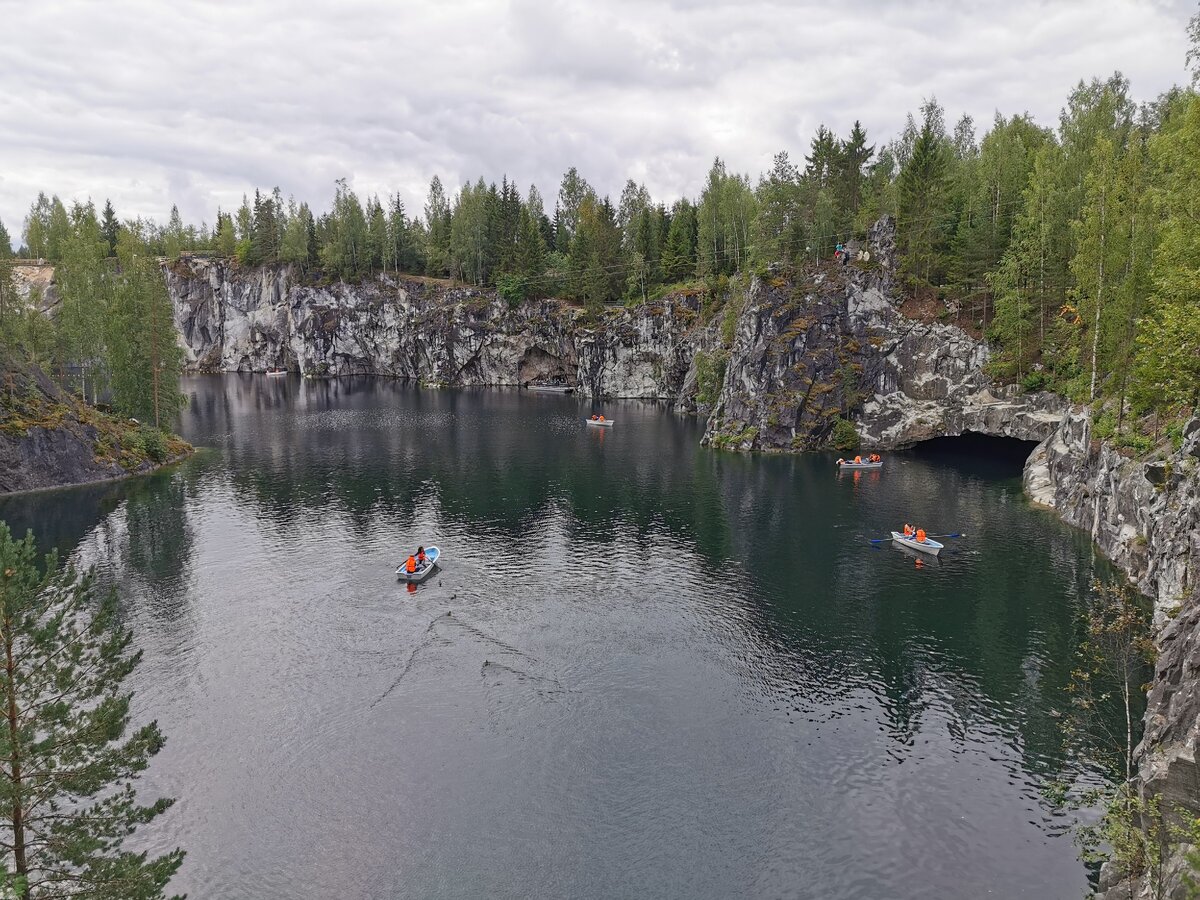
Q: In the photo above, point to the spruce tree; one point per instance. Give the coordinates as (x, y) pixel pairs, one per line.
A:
(923, 198)
(144, 353)
(67, 762)
(110, 227)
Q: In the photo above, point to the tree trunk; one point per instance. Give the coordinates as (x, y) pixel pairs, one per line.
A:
(1099, 302)
(20, 863)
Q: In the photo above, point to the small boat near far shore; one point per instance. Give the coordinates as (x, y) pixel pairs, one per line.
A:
(432, 555)
(552, 388)
(929, 545)
(276, 373)
(600, 423)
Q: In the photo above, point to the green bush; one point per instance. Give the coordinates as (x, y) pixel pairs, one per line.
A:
(512, 289)
(153, 444)
(710, 375)
(845, 437)
(1034, 381)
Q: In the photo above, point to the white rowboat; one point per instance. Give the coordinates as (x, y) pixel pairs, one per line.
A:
(600, 423)
(929, 545)
(432, 555)
(276, 373)
(866, 465)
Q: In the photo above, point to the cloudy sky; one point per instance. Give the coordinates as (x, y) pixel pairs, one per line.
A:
(151, 103)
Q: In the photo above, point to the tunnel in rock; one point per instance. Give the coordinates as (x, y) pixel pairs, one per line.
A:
(986, 454)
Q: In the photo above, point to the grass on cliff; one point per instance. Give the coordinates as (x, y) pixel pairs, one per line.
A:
(28, 400)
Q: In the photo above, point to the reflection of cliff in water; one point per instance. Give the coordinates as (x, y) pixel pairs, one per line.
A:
(841, 614)
(378, 451)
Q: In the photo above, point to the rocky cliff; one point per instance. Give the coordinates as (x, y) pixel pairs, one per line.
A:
(1144, 514)
(428, 331)
(836, 346)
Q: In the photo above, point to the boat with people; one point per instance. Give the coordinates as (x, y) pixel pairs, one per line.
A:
(873, 461)
(917, 539)
(416, 569)
(599, 421)
(276, 373)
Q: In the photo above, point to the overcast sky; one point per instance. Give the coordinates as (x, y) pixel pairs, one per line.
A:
(152, 102)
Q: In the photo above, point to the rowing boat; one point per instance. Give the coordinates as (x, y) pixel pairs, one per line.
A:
(865, 465)
(276, 373)
(600, 423)
(432, 555)
(552, 388)
(929, 545)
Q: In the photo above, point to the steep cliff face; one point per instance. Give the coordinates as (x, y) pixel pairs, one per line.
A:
(836, 347)
(252, 320)
(1144, 515)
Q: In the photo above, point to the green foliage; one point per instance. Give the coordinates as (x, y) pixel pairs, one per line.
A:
(923, 197)
(710, 375)
(512, 289)
(1034, 381)
(144, 353)
(845, 435)
(67, 764)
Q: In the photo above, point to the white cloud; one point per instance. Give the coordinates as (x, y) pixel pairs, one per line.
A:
(197, 102)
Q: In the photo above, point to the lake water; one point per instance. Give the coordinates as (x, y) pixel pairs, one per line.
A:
(646, 669)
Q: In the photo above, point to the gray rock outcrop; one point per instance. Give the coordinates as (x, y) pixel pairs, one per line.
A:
(805, 355)
(418, 329)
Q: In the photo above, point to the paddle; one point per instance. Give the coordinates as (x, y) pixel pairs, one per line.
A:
(954, 535)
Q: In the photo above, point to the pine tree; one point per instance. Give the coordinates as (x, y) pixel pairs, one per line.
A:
(437, 221)
(853, 158)
(922, 191)
(110, 227)
(571, 194)
(225, 240)
(37, 228)
(58, 231)
(67, 762)
(84, 278)
(144, 353)
(245, 231)
(6, 251)
(679, 253)
(173, 237)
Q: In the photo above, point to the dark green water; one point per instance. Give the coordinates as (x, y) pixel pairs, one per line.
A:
(646, 668)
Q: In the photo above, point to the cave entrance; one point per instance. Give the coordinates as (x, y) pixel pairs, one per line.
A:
(538, 366)
(985, 454)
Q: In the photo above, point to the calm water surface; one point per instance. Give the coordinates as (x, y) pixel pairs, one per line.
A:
(646, 669)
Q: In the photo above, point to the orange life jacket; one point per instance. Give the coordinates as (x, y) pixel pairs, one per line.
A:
(411, 565)
(921, 535)
(858, 459)
(907, 530)
(602, 418)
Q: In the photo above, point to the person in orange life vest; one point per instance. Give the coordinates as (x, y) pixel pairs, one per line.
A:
(908, 530)
(421, 557)
(411, 565)
(858, 459)
(920, 535)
